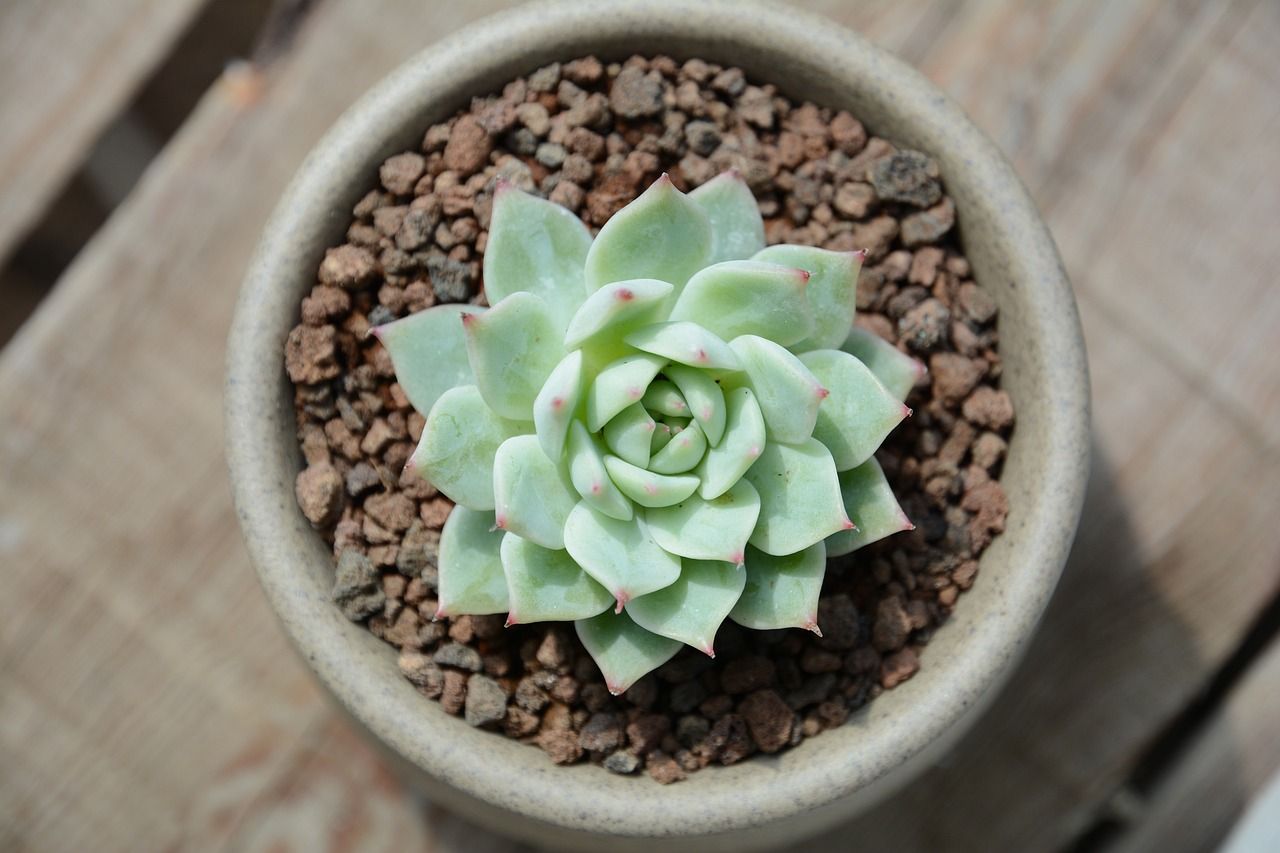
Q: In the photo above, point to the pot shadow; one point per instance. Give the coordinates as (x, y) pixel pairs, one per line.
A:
(1047, 765)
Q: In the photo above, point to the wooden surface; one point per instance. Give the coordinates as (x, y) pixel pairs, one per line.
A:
(148, 700)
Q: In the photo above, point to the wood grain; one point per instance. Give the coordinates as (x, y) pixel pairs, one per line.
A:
(148, 701)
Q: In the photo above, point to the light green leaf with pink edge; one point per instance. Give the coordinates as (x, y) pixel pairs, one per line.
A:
(782, 592)
(736, 298)
(623, 650)
(788, 393)
(429, 352)
(685, 343)
(513, 347)
(716, 529)
(471, 581)
(557, 403)
(682, 453)
(616, 309)
(662, 235)
(536, 247)
(663, 398)
(858, 413)
(800, 500)
(618, 385)
(621, 555)
(531, 496)
(740, 446)
(704, 396)
(461, 437)
(692, 608)
(661, 437)
(737, 229)
(896, 370)
(589, 477)
(647, 488)
(869, 501)
(629, 434)
(546, 585)
(832, 289)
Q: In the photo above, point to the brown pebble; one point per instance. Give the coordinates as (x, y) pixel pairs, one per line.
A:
(898, 667)
(748, 673)
(310, 354)
(400, 173)
(646, 731)
(768, 718)
(319, 492)
(989, 408)
(453, 697)
(468, 147)
(892, 625)
(561, 745)
(930, 225)
(664, 769)
(954, 376)
(347, 266)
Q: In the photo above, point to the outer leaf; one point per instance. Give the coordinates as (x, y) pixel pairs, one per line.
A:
(692, 608)
(530, 493)
(832, 290)
(682, 453)
(556, 403)
(618, 385)
(686, 343)
(429, 352)
(800, 501)
(545, 585)
(742, 444)
(589, 477)
(896, 370)
(616, 308)
(858, 413)
(662, 235)
(630, 434)
(705, 398)
(788, 393)
(536, 247)
(513, 348)
(663, 398)
(782, 592)
(870, 502)
(737, 229)
(471, 577)
(623, 650)
(458, 445)
(748, 298)
(621, 555)
(647, 488)
(717, 529)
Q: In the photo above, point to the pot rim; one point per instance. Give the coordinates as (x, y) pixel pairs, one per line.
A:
(880, 739)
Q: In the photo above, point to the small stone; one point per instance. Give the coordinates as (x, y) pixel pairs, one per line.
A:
(838, 620)
(451, 279)
(756, 107)
(400, 173)
(989, 450)
(534, 116)
(646, 731)
(584, 71)
(356, 588)
(924, 327)
(602, 733)
(347, 266)
(486, 704)
(815, 660)
(812, 690)
(417, 228)
(747, 673)
(729, 741)
(519, 723)
(976, 304)
(391, 510)
(561, 745)
(403, 633)
(422, 672)
(876, 236)
(318, 489)
(453, 697)
(419, 550)
(987, 407)
(906, 176)
(898, 667)
(892, 626)
(456, 654)
(377, 438)
(703, 137)
(929, 226)
(622, 762)
(687, 696)
(730, 81)
(550, 154)
(663, 768)
(311, 354)
(553, 653)
(468, 148)
(568, 195)
(636, 94)
(545, 78)
(854, 199)
(954, 376)
(530, 696)
(847, 133)
(768, 718)
(924, 266)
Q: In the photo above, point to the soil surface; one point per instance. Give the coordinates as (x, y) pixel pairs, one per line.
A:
(592, 137)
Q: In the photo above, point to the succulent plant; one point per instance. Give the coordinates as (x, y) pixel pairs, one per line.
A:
(653, 430)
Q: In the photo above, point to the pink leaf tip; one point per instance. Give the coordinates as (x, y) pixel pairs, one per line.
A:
(500, 523)
(621, 599)
(906, 411)
(664, 178)
(511, 620)
(501, 187)
(860, 255)
(614, 688)
(374, 332)
(849, 525)
(739, 559)
(823, 393)
(710, 652)
(812, 625)
(439, 614)
(410, 467)
(626, 294)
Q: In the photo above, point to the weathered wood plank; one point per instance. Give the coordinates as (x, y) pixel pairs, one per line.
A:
(66, 69)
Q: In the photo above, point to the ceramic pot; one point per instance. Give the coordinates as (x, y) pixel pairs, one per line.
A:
(766, 800)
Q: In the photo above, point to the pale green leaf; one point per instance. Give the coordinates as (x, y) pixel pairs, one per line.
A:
(704, 396)
(647, 488)
(616, 309)
(661, 437)
(832, 289)
(741, 445)
(800, 501)
(896, 370)
(545, 585)
(471, 578)
(782, 592)
(530, 494)
(623, 650)
(737, 229)
(788, 393)
(716, 529)
(620, 555)
(685, 343)
(513, 348)
(736, 298)
(871, 504)
(692, 608)
(458, 444)
(618, 385)
(684, 451)
(536, 247)
(662, 235)
(858, 413)
(630, 434)
(589, 477)
(557, 403)
(663, 398)
(429, 352)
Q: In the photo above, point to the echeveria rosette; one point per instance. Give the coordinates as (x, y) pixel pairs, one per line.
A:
(654, 430)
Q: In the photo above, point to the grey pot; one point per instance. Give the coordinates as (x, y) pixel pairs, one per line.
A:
(764, 801)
